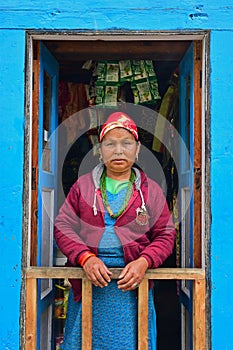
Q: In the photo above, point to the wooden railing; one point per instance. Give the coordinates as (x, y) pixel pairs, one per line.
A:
(199, 288)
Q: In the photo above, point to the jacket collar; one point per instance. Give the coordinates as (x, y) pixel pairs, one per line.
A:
(98, 170)
(96, 175)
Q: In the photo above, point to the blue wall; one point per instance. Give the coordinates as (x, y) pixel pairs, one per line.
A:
(11, 182)
(17, 16)
(105, 14)
(222, 189)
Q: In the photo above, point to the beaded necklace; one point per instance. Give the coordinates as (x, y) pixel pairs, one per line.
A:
(105, 197)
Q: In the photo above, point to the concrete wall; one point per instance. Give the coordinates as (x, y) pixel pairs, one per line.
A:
(18, 16)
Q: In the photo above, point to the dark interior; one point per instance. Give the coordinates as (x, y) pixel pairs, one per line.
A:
(71, 55)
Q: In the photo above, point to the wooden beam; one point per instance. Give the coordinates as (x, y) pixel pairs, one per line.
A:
(75, 272)
(199, 315)
(31, 314)
(35, 161)
(55, 272)
(143, 315)
(175, 274)
(72, 51)
(197, 190)
(86, 314)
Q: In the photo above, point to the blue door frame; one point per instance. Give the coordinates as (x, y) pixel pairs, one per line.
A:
(186, 73)
(47, 148)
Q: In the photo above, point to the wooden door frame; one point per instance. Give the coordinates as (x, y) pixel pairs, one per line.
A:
(35, 146)
(201, 136)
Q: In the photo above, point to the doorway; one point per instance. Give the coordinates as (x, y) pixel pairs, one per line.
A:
(77, 61)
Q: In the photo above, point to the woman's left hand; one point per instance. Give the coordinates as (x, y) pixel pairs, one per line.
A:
(132, 275)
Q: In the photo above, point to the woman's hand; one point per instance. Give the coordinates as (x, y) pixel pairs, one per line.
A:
(132, 275)
(97, 272)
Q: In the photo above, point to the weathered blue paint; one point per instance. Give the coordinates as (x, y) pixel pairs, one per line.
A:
(222, 188)
(18, 16)
(11, 182)
(101, 15)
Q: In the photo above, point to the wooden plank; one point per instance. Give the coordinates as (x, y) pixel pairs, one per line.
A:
(199, 315)
(31, 314)
(143, 315)
(34, 165)
(55, 272)
(86, 314)
(75, 272)
(197, 190)
(73, 51)
(175, 274)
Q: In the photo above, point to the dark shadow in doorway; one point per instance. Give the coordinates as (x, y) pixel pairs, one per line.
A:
(168, 312)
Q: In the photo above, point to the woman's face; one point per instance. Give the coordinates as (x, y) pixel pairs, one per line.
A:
(118, 150)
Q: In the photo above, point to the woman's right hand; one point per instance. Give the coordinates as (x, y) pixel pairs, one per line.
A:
(97, 272)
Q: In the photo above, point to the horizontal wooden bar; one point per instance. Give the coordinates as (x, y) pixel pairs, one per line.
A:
(175, 274)
(156, 274)
(55, 272)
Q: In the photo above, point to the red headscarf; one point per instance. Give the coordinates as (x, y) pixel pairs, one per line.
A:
(119, 120)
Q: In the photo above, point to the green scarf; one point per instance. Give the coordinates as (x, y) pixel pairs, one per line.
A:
(127, 196)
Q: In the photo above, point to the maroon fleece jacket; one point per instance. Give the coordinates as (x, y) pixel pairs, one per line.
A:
(78, 229)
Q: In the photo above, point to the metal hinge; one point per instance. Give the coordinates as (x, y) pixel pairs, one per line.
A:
(33, 81)
(34, 178)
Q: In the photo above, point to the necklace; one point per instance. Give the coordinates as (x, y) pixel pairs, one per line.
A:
(105, 197)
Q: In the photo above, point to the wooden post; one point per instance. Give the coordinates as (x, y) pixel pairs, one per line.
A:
(86, 314)
(31, 314)
(143, 315)
(197, 125)
(199, 315)
(34, 151)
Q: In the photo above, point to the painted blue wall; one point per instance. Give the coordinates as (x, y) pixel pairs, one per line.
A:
(106, 14)
(11, 182)
(17, 16)
(222, 189)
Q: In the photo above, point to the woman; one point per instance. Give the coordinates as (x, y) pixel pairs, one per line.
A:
(114, 217)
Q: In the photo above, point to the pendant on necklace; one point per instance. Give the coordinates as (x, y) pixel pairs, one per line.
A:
(109, 210)
(141, 218)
